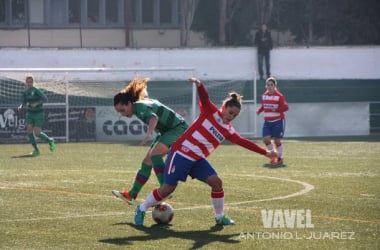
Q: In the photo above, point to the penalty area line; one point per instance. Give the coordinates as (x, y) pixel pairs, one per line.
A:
(306, 189)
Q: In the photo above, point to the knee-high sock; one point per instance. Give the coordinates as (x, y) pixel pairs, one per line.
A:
(44, 137)
(153, 198)
(280, 148)
(141, 178)
(217, 198)
(32, 140)
(269, 146)
(158, 166)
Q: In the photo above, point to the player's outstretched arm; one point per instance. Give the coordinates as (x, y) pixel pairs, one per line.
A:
(202, 92)
(250, 145)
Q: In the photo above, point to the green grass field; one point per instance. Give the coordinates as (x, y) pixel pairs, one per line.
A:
(63, 200)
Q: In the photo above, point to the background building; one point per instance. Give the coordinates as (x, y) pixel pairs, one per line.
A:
(92, 23)
(327, 86)
(185, 23)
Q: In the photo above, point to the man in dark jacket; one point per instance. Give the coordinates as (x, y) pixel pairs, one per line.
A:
(263, 41)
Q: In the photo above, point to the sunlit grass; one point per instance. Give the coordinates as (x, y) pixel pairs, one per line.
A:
(63, 200)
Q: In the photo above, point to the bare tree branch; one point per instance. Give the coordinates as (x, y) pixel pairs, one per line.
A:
(188, 8)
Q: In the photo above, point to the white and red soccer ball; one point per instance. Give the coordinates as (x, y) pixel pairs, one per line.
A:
(163, 213)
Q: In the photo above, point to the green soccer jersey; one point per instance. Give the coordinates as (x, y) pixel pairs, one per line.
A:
(33, 95)
(167, 118)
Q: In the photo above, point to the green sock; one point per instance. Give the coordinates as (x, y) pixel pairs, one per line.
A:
(44, 137)
(32, 140)
(158, 166)
(141, 178)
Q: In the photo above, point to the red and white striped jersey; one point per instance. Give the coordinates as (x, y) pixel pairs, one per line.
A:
(208, 131)
(273, 105)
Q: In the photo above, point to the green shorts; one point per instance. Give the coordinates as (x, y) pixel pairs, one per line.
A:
(170, 136)
(36, 119)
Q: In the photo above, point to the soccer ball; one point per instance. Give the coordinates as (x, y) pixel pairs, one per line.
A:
(162, 213)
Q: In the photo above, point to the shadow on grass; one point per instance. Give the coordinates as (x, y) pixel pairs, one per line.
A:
(159, 232)
(22, 156)
(271, 165)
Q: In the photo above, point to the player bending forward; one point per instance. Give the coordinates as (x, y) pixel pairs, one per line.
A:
(187, 156)
(169, 125)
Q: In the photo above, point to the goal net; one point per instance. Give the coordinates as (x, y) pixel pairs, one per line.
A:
(80, 105)
(246, 122)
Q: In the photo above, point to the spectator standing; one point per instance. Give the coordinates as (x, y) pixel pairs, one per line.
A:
(264, 43)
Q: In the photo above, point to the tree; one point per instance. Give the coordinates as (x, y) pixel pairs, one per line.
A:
(312, 22)
(222, 22)
(264, 10)
(225, 22)
(188, 8)
(324, 22)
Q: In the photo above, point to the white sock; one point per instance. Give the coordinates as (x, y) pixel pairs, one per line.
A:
(149, 202)
(217, 199)
(279, 150)
(269, 147)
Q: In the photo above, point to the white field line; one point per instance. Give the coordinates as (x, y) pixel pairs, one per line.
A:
(306, 188)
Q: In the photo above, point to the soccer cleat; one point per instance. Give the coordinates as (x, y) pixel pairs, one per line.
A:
(139, 216)
(280, 161)
(273, 160)
(51, 145)
(123, 196)
(36, 152)
(224, 221)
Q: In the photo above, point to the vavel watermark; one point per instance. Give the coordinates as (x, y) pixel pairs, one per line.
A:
(287, 218)
(299, 219)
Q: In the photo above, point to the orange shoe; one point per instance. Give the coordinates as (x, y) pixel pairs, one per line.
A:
(123, 196)
(273, 160)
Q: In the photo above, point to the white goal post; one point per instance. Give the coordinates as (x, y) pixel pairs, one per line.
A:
(80, 106)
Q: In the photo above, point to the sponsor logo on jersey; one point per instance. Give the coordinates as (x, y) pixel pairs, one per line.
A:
(216, 133)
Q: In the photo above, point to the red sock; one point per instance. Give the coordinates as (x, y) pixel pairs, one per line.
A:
(157, 195)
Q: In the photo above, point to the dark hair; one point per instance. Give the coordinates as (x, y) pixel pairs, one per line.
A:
(233, 100)
(122, 98)
(133, 92)
(29, 77)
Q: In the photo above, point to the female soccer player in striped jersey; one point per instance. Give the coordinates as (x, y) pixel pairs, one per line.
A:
(273, 104)
(187, 156)
(169, 125)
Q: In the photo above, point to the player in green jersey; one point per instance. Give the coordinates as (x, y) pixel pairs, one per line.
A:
(168, 125)
(32, 100)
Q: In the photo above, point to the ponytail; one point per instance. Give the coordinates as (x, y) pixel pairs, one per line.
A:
(233, 100)
(133, 92)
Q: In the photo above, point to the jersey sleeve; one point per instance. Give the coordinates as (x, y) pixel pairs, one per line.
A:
(282, 105)
(42, 95)
(143, 112)
(261, 108)
(245, 143)
(205, 103)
